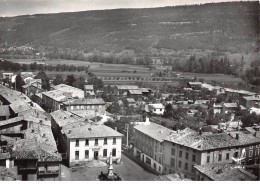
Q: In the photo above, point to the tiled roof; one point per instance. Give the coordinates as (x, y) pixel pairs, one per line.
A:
(156, 106)
(86, 101)
(244, 137)
(11, 95)
(91, 131)
(57, 95)
(70, 89)
(127, 87)
(154, 130)
(230, 105)
(195, 83)
(130, 100)
(225, 172)
(192, 139)
(19, 106)
(63, 118)
(10, 121)
(135, 92)
(4, 110)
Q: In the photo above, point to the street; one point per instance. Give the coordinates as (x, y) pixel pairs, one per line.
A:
(127, 170)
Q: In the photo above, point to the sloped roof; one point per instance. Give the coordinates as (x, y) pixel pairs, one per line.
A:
(225, 172)
(156, 106)
(127, 87)
(10, 121)
(192, 139)
(86, 101)
(135, 92)
(91, 131)
(19, 106)
(154, 130)
(88, 87)
(230, 105)
(130, 100)
(57, 95)
(251, 98)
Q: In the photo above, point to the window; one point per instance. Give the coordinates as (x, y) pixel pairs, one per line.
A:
(186, 166)
(96, 142)
(180, 154)
(76, 155)
(114, 152)
(219, 157)
(105, 141)
(86, 142)
(160, 160)
(194, 158)
(148, 161)
(173, 152)
(86, 154)
(104, 152)
(227, 156)
(250, 153)
(187, 156)
(192, 168)
(159, 168)
(77, 143)
(179, 164)
(257, 152)
(236, 154)
(172, 162)
(208, 159)
(155, 157)
(114, 140)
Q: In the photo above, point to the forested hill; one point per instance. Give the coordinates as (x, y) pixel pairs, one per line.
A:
(232, 26)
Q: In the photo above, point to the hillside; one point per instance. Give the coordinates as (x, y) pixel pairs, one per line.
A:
(223, 27)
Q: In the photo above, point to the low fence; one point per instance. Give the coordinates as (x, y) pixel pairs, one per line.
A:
(140, 163)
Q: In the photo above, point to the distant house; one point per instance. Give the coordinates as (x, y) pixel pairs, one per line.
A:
(134, 92)
(32, 87)
(229, 108)
(131, 101)
(123, 89)
(249, 101)
(89, 90)
(217, 108)
(95, 104)
(156, 108)
(194, 85)
(8, 76)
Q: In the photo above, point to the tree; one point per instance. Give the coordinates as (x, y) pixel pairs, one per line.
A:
(79, 83)
(96, 82)
(70, 80)
(249, 120)
(168, 113)
(58, 80)
(45, 80)
(19, 82)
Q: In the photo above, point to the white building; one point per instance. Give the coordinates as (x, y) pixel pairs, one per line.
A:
(156, 108)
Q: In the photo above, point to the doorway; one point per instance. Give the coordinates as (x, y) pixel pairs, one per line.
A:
(95, 155)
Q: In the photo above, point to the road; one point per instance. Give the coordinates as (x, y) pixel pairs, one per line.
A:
(127, 170)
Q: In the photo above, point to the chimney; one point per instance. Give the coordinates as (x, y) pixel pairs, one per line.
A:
(115, 128)
(255, 133)
(237, 136)
(69, 131)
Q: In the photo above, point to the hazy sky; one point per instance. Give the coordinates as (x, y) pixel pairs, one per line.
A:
(22, 7)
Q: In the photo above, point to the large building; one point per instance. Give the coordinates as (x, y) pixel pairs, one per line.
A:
(148, 147)
(82, 140)
(96, 104)
(186, 148)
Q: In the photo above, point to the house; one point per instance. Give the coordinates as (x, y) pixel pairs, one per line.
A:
(148, 146)
(8, 76)
(156, 108)
(222, 172)
(36, 156)
(89, 90)
(199, 102)
(27, 74)
(229, 108)
(123, 89)
(75, 92)
(83, 141)
(194, 85)
(145, 91)
(255, 110)
(186, 148)
(217, 108)
(131, 101)
(4, 112)
(249, 101)
(95, 104)
(32, 87)
(134, 92)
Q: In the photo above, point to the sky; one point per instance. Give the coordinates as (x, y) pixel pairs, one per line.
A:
(24, 7)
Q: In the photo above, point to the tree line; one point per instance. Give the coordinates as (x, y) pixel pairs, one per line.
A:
(12, 66)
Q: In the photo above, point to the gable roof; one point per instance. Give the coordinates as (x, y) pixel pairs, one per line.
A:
(154, 130)
(86, 101)
(91, 131)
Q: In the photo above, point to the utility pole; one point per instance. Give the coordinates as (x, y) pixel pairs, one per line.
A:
(127, 128)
